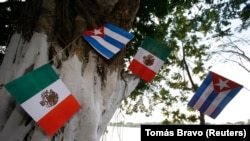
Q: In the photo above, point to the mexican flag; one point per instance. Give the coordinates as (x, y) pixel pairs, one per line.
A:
(149, 59)
(43, 95)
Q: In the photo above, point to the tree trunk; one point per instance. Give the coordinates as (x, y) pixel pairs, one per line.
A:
(51, 32)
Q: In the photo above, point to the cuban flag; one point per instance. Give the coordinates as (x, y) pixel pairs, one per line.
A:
(107, 40)
(214, 94)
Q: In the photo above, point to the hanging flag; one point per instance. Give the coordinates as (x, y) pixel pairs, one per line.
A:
(44, 97)
(214, 94)
(108, 39)
(149, 59)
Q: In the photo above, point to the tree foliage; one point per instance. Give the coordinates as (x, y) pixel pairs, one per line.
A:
(182, 25)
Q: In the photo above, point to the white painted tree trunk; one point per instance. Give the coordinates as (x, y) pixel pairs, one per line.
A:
(99, 101)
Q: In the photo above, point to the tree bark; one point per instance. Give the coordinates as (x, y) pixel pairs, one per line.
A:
(97, 83)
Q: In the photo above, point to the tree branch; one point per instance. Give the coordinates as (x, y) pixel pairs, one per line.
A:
(124, 12)
(82, 10)
(240, 64)
(243, 55)
(11, 4)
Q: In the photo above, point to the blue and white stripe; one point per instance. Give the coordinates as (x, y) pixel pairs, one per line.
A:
(113, 41)
(207, 101)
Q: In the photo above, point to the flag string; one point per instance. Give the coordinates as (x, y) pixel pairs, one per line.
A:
(67, 46)
(77, 37)
(248, 89)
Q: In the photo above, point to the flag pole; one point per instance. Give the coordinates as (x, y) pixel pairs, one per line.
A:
(202, 116)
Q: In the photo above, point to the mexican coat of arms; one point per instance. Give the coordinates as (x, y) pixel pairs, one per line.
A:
(148, 60)
(49, 98)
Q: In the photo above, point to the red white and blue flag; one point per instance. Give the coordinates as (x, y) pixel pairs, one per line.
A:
(108, 40)
(214, 94)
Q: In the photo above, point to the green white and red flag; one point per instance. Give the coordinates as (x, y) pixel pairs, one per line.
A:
(149, 59)
(43, 95)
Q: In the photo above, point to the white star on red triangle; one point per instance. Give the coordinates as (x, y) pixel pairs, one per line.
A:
(97, 32)
(222, 84)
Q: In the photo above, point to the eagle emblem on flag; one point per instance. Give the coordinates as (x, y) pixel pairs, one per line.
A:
(45, 98)
(148, 60)
(49, 98)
